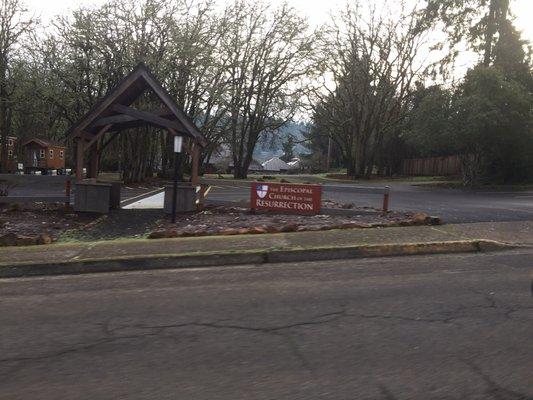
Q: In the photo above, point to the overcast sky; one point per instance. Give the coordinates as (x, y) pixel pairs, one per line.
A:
(316, 10)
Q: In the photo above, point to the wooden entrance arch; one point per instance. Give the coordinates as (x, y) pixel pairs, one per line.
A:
(113, 114)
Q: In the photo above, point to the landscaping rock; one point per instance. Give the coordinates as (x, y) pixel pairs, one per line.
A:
(392, 224)
(257, 230)
(165, 234)
(188, 234)
(289, 228)
(44, 239)
(45, 224)
(435, 221)
(239, 221)
(12, 239)
(420, 219)
(228, 231)
(272, 229)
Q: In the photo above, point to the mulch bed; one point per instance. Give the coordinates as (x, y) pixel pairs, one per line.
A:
(37, 224)
(44, 224)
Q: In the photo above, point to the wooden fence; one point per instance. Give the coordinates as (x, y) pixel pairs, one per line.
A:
(432, 166)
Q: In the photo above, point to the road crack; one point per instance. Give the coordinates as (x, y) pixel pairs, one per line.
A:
(495, 390)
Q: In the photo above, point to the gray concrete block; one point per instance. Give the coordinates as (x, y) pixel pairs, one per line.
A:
(185, 198)
(92, 197)
(114, 193)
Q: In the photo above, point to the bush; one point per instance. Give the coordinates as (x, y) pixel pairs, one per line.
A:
(5, 187)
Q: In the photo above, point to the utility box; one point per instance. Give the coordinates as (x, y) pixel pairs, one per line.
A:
(185, 198)
(92, 197)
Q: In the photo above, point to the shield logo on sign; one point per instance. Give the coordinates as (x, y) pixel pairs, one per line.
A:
(261, 191)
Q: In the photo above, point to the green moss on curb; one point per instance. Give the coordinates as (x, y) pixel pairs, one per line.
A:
(79, 265)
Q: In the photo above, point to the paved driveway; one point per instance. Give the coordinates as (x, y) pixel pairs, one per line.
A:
(453, 205)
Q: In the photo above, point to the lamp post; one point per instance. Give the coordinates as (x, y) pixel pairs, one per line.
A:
(178, 143)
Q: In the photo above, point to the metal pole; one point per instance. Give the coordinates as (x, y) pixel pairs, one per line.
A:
(67, 194)
(175, 190)
(328, 160)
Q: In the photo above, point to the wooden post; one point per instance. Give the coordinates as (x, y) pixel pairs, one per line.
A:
(80, 149)
(195, 160)
(328, 160)
(67, 194)
(386, 203)
(175, 186)
(94, 161)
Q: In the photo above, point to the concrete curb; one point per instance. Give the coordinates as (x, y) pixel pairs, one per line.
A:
(268, 256)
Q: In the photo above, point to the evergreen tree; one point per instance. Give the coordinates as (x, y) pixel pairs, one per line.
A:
(288, 148)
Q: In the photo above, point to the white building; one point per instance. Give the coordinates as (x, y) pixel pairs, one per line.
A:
(275, 164)
(295, 164)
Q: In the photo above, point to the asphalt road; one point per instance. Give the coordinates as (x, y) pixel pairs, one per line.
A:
(453, 205)
(434, 327)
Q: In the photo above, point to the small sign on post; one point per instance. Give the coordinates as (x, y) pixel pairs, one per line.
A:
(290, 198)
(178, 143)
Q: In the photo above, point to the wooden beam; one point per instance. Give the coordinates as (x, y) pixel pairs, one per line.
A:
(149, 117)
(94, 163)
(127, 83)
(123, 118)
(124, 94)
(171, 105)
(111, 138)
(80, 149)
(113, 119)
(83, 135)
(187, 145)
(195, 159)
(98, 135)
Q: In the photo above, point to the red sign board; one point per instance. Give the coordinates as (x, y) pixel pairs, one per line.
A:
(297, 199)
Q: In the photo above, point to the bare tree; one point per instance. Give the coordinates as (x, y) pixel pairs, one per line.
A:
(372, 61)
(195, 70)
(269, 53)
(14, 24)
(89, 51)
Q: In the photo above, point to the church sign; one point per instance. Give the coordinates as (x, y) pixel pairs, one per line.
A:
(291, 198)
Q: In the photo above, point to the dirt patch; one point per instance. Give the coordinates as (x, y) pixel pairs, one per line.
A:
(38, 224)
(118, 224)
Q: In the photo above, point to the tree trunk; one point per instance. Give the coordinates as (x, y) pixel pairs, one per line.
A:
(3, 118)
(360, 159)
(470, 166)
(351, 169)
(240, 172)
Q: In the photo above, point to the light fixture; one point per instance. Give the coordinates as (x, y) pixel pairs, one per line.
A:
(178, 143)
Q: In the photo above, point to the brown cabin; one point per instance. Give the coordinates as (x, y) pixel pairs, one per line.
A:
(43, 155)
(11, 153)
